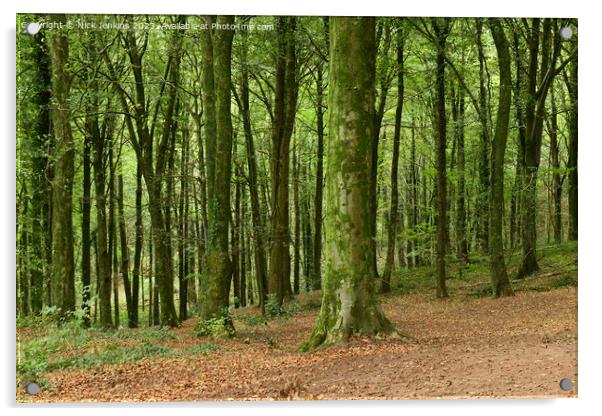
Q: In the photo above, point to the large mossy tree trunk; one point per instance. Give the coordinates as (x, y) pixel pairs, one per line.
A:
(215, 284)
(349, 305)
(499, 276)
(62, 282)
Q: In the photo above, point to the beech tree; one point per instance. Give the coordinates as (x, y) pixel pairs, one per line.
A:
(349, 305)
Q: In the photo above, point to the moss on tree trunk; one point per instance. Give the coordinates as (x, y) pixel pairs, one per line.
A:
(349, 305)
(499, 276)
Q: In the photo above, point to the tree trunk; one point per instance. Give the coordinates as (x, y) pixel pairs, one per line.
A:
(538, 84)
(349, 305)
(394, 210)
(316, 279)
(499, 277)
(183, 236)
(216, 284)
(285, 102)
(483, 202)
(441, 29)
(125, 256)
(113, 235)
(63, 269)
(136, 272)
(573, 192)
(40, 190)
(297, 223)
(556, 178)
(86, 205)
(462, 241)
(256, 218)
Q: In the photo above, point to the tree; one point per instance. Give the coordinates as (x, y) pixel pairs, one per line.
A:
(483, 202)
(154, 168)
(285, 101)
(441, 29)
(499, 277)
(394, 210)
(86, 206)
(216, 283)
(571, 83)
(243, 103)
(41, 192)
(63, 268)
(546, 43)
(349, 304)
(316, 279)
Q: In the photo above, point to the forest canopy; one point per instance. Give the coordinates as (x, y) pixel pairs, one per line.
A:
(176, 167)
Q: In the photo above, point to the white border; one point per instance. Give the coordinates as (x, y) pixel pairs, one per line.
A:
(590, 154)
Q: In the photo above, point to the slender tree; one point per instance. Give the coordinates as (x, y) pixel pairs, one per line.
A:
(394, 210)
(499, 277)
(441, 29)
(285, 102)
(63, 268)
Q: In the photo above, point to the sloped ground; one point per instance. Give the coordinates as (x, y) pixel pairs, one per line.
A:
(468, 347)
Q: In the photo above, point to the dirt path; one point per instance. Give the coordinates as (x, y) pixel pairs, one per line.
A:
(464, 347)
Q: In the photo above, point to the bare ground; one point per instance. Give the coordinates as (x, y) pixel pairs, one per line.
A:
(465, 347)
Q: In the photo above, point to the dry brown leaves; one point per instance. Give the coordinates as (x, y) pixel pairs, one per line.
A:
(460, 348)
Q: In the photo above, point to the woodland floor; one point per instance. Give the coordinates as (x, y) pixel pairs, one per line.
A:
(469, 346)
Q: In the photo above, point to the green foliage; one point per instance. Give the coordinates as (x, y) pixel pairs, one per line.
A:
(32, 362)
(33, 356)
(253, 320)
(272, 307)
(217, 327)
(204, 349)
(564, 281)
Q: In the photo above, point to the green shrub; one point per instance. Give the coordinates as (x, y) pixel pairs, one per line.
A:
(217, 327)
(564, 281)
(200, 349)
(32, 361)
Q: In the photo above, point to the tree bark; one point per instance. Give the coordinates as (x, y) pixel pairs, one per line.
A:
(349, 305)
(86, 206)
(483, 202)
(394, 210)
(540, 77)
(285, 102)
(462, 241)
(216, 284)
(573, 192)
(316, 278)
(256, 218)
(125, 256)
(63, 269)
(40, 190)
(499, 277)
(441, 29)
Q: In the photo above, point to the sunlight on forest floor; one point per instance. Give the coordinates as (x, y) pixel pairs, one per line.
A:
(469, 346)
